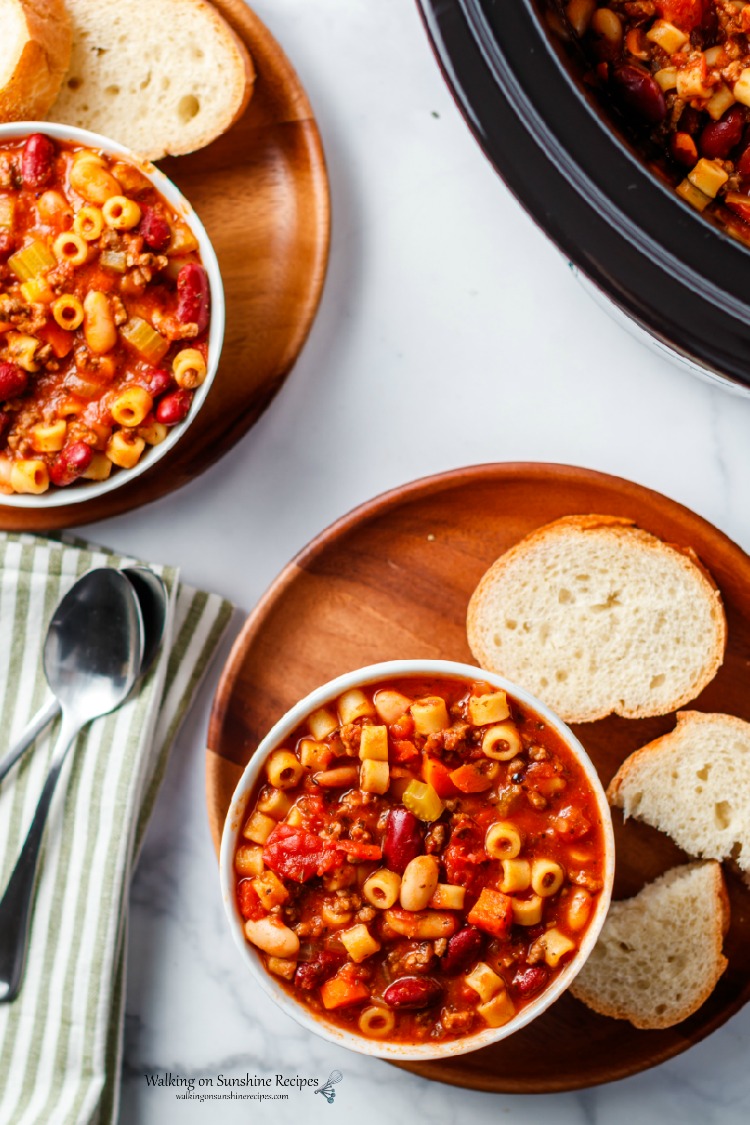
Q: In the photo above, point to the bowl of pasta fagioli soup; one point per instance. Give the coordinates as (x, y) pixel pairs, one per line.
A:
(111, 315)
(417, 860)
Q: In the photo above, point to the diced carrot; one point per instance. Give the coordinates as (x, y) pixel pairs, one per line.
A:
(439, 777)
(404, 750)
(60, 340)
(249, 901)
(360, 851)
(492, 912)
(101, 280)
(340, 991)
(470, 779)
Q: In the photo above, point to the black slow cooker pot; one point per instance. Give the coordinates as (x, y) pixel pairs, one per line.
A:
(669, 271)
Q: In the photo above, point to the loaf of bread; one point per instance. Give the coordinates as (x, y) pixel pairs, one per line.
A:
(596, 616)
(36, 39)
(658, 956)
(161, 76)
(693, 784)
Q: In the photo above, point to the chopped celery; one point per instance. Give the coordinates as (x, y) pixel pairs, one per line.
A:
(115, 260)
(421, 799)
(34, 260)
(146, 341)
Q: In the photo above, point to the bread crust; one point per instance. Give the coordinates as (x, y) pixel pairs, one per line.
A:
(162, 139)
(39, 69)
(620, 527)
(713, 968)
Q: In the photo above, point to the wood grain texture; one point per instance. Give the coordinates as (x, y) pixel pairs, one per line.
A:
(392, 580)
(261, 190)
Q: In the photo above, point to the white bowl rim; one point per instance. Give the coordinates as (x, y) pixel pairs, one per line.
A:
(82, 491)
(409, 1052)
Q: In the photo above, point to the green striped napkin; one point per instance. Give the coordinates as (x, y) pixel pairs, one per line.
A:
(60, 1041)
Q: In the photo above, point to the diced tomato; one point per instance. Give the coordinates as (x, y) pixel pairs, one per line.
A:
(738, 203)
(359, 851)
(439, 777)
(249, 902)
(404, 750)
(466, 865)
(296, 854)
(543, 778)
(685, 14)
(59, 339)
(402, 728)
(571, 824)
(492, 912)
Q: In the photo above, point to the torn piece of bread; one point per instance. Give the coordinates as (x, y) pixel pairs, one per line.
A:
(36, 40)
(595, 616)
(163, 77)
(693, 784)
(658, 956)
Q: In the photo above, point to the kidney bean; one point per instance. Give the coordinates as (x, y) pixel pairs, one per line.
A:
(463, 948)
(13, 381)
(157, 381)
(403, 840)
(72, 460)
(718, 138)
(529, 980)
(36, 162)
(193, 295)
(413, 992)
(638, 94)
(310, 974)
(172, 408)
(743, 163)
(154, 229)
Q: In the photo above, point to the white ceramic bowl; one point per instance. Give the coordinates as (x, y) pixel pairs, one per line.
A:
(83, 490)
(394, 669)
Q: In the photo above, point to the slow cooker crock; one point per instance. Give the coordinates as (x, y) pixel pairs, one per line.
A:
(669, 272)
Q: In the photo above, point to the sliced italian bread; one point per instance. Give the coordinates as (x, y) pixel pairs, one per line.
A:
(658, 956)
(36, 39)
(595, 616)
(162, 76)
(693, 784)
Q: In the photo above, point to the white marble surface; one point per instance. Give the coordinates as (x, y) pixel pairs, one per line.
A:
(451, 332)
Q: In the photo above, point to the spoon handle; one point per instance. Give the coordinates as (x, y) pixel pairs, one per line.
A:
(43, 718)
(15, 906)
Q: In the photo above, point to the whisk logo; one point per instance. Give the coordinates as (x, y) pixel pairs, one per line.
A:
(327, 1089)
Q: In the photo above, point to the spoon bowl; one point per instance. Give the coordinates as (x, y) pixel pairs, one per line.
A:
(92, 654)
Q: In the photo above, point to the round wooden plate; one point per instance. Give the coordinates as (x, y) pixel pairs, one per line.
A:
(261, 190)
(392, 580)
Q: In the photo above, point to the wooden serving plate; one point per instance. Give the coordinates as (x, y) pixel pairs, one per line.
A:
(261, 190)
(392, 580)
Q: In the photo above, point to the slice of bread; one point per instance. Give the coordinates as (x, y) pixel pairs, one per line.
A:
(36, 39)
(693, 784)
(162, 76)
(658, 956)
(595, 616)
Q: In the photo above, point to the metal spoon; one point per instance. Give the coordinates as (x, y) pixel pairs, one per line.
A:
(92, 657)
(152, 596)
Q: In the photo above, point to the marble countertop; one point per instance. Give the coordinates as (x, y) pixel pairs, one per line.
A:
(451, 332)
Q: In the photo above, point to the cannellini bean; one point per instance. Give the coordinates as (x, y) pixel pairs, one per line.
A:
(98, 322)
(419, 882)
(273, 937)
